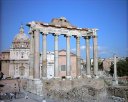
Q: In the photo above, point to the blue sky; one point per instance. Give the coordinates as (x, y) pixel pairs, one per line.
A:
(109, 16)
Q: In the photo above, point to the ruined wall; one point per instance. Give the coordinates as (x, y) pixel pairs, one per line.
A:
(83, 90)
(118, 91)
(74, 90)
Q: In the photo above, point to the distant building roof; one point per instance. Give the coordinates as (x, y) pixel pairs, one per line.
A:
(6, 51)
(65, 51)
(0, 56)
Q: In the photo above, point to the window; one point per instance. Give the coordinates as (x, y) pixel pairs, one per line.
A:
(16, 53)
(28, 53)
(22, 54)
(22, 45)
(3, 56)
(22, 70)
(63, 67)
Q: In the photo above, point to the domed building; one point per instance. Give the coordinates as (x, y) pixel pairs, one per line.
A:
(19, 55)
(15, 61)
(21, 40)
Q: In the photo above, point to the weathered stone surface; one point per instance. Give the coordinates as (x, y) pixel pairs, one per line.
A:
(61, 22)
(119, 91)
(75, 90)
(83, 90)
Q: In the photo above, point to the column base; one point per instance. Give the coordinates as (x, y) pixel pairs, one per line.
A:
(89, 76)
(35, 86)
(57, 77)
(115, 82)
(68, 77)
(30, 77)
(78, 77)
(44, 78)
(96, 77)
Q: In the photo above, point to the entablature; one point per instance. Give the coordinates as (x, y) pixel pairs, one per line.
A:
(46, 28)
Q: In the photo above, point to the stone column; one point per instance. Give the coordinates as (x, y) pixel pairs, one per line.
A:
(56, 63)
(36, 55)
(87, 38)
(78, 61)
(31, 55)
(44, 56)
(115, 71)
(68, 65)
(95, 55)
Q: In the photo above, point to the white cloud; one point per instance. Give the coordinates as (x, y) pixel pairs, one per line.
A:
(101, 49)
(73, 49)
(82, 47)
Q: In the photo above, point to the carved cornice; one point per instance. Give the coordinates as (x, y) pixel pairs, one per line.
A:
(61, 29)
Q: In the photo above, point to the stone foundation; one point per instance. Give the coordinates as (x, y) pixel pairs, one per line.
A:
(118, 91)
(35, 86)
(76, 90)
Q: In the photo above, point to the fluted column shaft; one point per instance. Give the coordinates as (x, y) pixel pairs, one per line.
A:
(95, 55)
(31, 55)
(44, 56)
(78, 62)
(56, 68)
(68, 64)
(88, 56)
(36, 55)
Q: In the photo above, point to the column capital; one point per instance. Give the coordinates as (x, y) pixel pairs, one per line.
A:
(56, 34)
(94, 36)
(44, 33)
(36, 30)
(94, 32)
(31, 34)
(77, 36)
(67, 35)
(30, 31)
(87, 37)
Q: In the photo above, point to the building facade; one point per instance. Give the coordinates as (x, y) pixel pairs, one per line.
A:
(15, 62)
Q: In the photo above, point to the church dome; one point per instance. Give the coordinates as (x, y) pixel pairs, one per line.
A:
(21, 40)
(21, 36)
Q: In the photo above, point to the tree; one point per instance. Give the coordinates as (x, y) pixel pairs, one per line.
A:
(1, 75)
(122, 68)
(100, 65)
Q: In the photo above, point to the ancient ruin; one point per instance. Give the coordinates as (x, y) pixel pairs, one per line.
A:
(60, 26)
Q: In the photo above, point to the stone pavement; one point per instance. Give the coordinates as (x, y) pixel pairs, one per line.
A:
(34, 98)
(19, 100)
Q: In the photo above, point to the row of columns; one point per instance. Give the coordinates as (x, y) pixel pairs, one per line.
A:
(35, 58)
